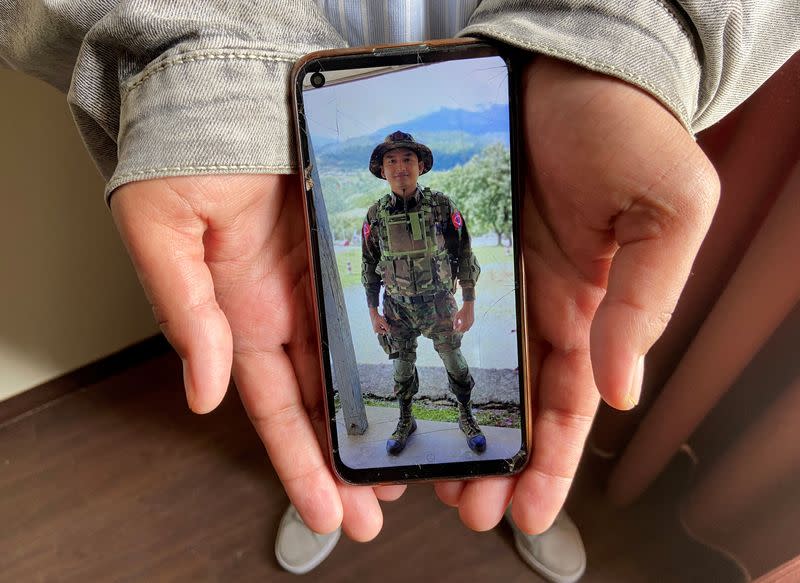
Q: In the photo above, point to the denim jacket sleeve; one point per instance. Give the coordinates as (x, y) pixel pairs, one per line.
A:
(160, 88)
(699, 58)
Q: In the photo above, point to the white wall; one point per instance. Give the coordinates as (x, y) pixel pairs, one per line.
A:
(68, 293)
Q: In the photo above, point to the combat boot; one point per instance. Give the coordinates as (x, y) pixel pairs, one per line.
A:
(405, 427)
(476, 440)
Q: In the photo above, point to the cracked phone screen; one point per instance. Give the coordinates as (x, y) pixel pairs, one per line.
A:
(411, 171)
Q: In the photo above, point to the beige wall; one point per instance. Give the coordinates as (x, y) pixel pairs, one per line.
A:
(68, 294)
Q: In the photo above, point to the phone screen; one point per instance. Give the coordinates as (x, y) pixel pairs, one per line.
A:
(410, 184)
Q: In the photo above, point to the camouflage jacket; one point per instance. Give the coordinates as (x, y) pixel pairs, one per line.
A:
(417, 246)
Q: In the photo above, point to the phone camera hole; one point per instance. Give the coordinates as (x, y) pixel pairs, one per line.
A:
(317, 80)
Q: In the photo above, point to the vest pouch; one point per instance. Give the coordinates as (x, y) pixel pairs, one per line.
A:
(386, 271)
(402, 277)
(443, 271)
(401, 234)
(423, 274)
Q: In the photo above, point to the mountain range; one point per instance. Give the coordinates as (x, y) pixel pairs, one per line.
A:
(454, 136)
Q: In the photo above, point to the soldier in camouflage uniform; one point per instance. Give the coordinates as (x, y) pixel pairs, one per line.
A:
(416, 246)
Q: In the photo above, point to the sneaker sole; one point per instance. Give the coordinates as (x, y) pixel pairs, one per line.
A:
(548, 574)
(315, 562)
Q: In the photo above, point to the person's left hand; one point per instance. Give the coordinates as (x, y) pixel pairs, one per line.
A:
(464, 318)
(619, 197)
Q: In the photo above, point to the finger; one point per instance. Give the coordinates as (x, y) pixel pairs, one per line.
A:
(449, 492)
(389, 493)
(164, 238)
(363, 518)
(567, 401)
(271, 395)
(458, 324)
(659, 236)
(484, 501)
(303, 353)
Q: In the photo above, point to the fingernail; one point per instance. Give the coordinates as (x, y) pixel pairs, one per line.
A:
(635, 390)
(187, 383)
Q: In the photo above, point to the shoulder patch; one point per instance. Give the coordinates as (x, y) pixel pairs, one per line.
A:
(457, 219)
(366, 230)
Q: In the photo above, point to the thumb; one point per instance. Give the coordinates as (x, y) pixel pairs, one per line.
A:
(164, 238)
(659, 236)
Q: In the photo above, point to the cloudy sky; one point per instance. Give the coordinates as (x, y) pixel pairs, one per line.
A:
(358, 108)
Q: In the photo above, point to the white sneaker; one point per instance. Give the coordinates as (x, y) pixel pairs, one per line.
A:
(557, 554)
(298, 548)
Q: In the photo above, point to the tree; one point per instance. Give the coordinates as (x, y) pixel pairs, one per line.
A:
(483, 189)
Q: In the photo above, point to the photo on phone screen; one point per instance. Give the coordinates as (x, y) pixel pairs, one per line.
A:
(413, 234)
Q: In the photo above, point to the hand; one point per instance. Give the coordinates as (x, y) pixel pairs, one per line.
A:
(223, 262)
(619, 199)
(464, 318)
(379, 323)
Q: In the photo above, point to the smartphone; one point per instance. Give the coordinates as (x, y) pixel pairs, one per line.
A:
(412, 193)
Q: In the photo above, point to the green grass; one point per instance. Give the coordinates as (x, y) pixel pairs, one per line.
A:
(449, 414)
(354, 257)
(493, 254)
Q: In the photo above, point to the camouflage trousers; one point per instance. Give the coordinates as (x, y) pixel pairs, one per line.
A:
(432, 319)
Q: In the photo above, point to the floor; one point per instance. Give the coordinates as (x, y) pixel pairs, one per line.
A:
(118, 481)
(432, 442)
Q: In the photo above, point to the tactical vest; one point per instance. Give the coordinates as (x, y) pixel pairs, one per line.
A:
(414, 259)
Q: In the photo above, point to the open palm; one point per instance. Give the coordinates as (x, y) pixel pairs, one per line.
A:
(223, 262)
(619, 198)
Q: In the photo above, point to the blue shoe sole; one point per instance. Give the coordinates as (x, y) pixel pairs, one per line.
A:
(477, 443)
(394, 447)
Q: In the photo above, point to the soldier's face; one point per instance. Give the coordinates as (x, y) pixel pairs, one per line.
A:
(401, 169)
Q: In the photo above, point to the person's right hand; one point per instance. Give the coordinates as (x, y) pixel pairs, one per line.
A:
(223, 261)
(464, 318)
(379, 323)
